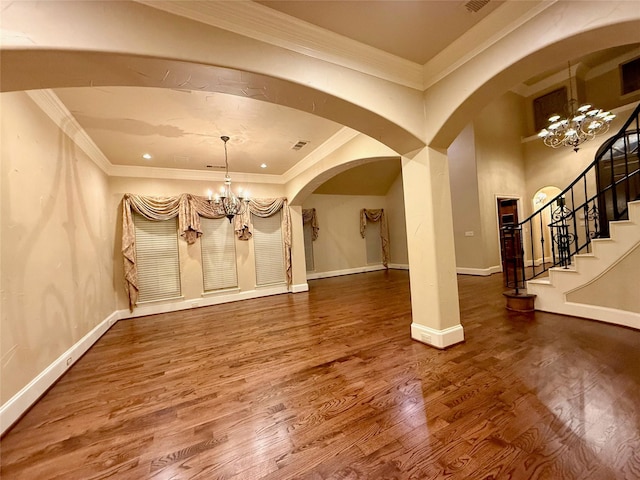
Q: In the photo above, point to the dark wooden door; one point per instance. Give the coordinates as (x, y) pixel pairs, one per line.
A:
(510, 241)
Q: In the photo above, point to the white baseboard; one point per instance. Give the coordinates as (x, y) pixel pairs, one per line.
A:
(614, 316)
(205, 301)
(399, 266)
(300, 287)
(537, 262)
(437, 338)
(484, 272)
(347, 271)
(17, 405)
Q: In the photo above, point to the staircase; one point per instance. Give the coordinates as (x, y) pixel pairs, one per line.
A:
(587, 239)
(597, 282)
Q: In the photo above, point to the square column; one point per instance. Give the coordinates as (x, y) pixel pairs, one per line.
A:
(432, 265)
(298, 263)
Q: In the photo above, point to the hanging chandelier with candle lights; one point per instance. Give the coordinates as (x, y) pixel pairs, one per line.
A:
(581, 123)
(228, 203)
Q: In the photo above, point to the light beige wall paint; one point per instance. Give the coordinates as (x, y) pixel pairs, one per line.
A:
(397, 223)
(339, 245)
(500, 166)
(190, 255)
(465, 205)
(613, 289)
(57, 239)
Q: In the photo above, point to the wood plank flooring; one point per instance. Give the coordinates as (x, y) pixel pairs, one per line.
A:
(328, 385)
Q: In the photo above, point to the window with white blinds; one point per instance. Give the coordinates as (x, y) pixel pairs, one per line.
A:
(308, 246)
(269, 249)
(218, 254)
(157, 258)
(373, 242)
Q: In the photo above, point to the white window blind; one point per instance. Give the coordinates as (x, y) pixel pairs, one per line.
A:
(157, 258)
(269, 249)
(308, 246)
(218, 254)
(373, 242)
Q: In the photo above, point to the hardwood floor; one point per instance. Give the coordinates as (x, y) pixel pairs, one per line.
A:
(328, 385)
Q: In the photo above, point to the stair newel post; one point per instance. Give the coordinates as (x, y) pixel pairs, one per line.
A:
(517, 301)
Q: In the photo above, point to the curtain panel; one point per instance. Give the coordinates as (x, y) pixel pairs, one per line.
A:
(189, 208)
(375, 215)
(265, 208)
(309, 216)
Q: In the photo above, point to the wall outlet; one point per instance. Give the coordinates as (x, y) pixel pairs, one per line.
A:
(425, 338)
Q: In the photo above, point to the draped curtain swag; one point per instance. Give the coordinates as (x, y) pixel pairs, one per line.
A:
(189, 208)
(374, 215)
(309, 215)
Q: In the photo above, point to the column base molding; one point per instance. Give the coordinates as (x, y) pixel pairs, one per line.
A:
(437, 338)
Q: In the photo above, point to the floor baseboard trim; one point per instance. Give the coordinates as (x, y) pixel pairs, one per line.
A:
(399, 266)
(347, 271)
(205, 301)
(300, 287)
(483, 272)
(613, 316)
(20, 403)
(437, 338)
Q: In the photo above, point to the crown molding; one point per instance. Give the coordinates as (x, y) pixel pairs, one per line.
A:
(267, 25)
(612, 64)
(547, 83)
(504, 20)
(50, 104)
(341, 137)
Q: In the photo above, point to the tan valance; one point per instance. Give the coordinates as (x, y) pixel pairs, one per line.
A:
(375, 215)
(189, 208)
(309, 216)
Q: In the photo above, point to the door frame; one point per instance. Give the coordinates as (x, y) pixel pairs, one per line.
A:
(505, 196)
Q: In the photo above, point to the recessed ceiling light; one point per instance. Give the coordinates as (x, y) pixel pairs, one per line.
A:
(146, 156)
(264, 165)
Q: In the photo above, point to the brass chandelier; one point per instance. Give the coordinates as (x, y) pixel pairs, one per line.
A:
(228, 203)
(581, 123)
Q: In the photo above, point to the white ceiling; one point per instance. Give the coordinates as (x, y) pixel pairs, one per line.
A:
(182, 128)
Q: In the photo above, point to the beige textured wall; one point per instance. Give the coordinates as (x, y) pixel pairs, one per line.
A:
(613, 289)
(339, 245)
(485, 161)
(397, 223)
(190, 255)
(57, 267)
(500, 166)
(464, 201)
